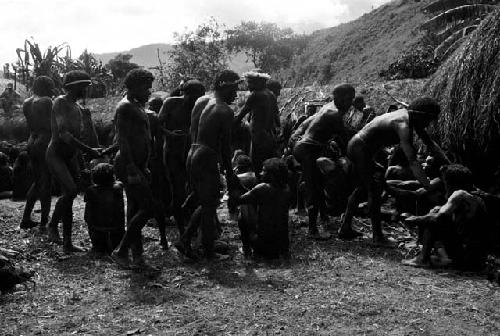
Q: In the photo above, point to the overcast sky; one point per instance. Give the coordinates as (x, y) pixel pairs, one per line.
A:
(106, 25)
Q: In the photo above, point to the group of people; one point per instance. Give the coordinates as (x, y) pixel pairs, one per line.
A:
(175, 157)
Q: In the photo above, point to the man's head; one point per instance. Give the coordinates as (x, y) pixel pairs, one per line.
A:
(226, 85)
(43, 86)
(193, 89)
(9, 87)
(138, 83)
(274, 86)
(275, 172)
(155, 104)
(359, 103)
(457, 177)
(256, 79)
(423, 111)
(76, 82)
(102, 174)
(343, 96)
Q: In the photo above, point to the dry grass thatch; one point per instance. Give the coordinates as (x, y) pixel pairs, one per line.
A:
(468, 88)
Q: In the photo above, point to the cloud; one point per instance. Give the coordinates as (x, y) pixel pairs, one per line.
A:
(105, 25)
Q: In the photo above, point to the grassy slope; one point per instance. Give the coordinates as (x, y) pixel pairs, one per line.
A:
(360, 49)
(330, 288)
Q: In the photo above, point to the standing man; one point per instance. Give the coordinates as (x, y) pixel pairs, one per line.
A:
(175, 115)
(387, 130)
(131, 165)
(63, 153)
(8, 99)
(211, 141)
(319, 130)
(37, 110)
(263, 109)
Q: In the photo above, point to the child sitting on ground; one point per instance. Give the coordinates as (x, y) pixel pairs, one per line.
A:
(104, 210)
(266, 234)
(461, 224)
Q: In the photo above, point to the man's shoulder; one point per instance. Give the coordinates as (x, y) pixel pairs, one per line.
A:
(173, 101)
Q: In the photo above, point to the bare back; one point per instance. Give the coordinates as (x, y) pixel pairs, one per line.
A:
(263, 107)
(214, 127)
(175, 114)
(37, 111)
(198, 108)
(384, 130)
(325, 124)
(133, 133)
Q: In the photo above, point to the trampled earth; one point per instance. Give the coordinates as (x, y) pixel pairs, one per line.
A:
(328, 288)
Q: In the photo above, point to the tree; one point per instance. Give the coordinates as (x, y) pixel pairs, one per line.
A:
(120, 65)
(267, 46)
(455, 19)
(199, 54)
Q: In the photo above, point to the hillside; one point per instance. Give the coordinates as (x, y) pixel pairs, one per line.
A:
(360, 49)
(147, 56)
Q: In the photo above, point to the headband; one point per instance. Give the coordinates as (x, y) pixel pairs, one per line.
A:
(79, 81)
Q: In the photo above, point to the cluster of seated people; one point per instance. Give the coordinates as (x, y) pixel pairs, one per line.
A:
(177, 157)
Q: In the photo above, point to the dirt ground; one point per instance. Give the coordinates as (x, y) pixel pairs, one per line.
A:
(329, 288)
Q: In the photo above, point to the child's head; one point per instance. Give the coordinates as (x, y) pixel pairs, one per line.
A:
(457, 177)
(275, 172)
(243, 164)
(102, 174)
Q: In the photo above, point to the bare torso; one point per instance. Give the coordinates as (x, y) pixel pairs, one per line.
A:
(133, 131)
(325, 124)
(198, 108)
(66, 117)
(214, 125)
(383, 130)
(175, 114)
(263, 107)
(37, 111)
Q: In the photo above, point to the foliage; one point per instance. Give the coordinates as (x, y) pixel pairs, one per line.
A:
(120, 65)
(418, 62)
(453, 20)
(267, 46)
(467, 87)
(198, 53)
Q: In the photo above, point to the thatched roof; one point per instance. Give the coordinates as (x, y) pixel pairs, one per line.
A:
(468, 88)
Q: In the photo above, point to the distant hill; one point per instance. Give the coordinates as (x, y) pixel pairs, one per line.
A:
(360, 49)
(147, 56)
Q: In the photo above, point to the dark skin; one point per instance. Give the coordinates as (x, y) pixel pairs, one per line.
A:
(262, 106)
(386, 130)
(134, 141)
(175, 115)
(214, 135)
(269, 236)
(37, 110)
(159, 180)
(62, 158)
(316, 132)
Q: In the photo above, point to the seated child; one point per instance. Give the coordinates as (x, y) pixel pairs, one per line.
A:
(266, 233)
(104, 210)
(460, 225)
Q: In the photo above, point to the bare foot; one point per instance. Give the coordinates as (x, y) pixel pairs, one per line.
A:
(70, 248)
(122, 261)
(416, 262)
(54, 237)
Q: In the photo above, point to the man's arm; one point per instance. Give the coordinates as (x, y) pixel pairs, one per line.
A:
(225, 141)
(432, 146)
(407, 147)
(62, 130)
